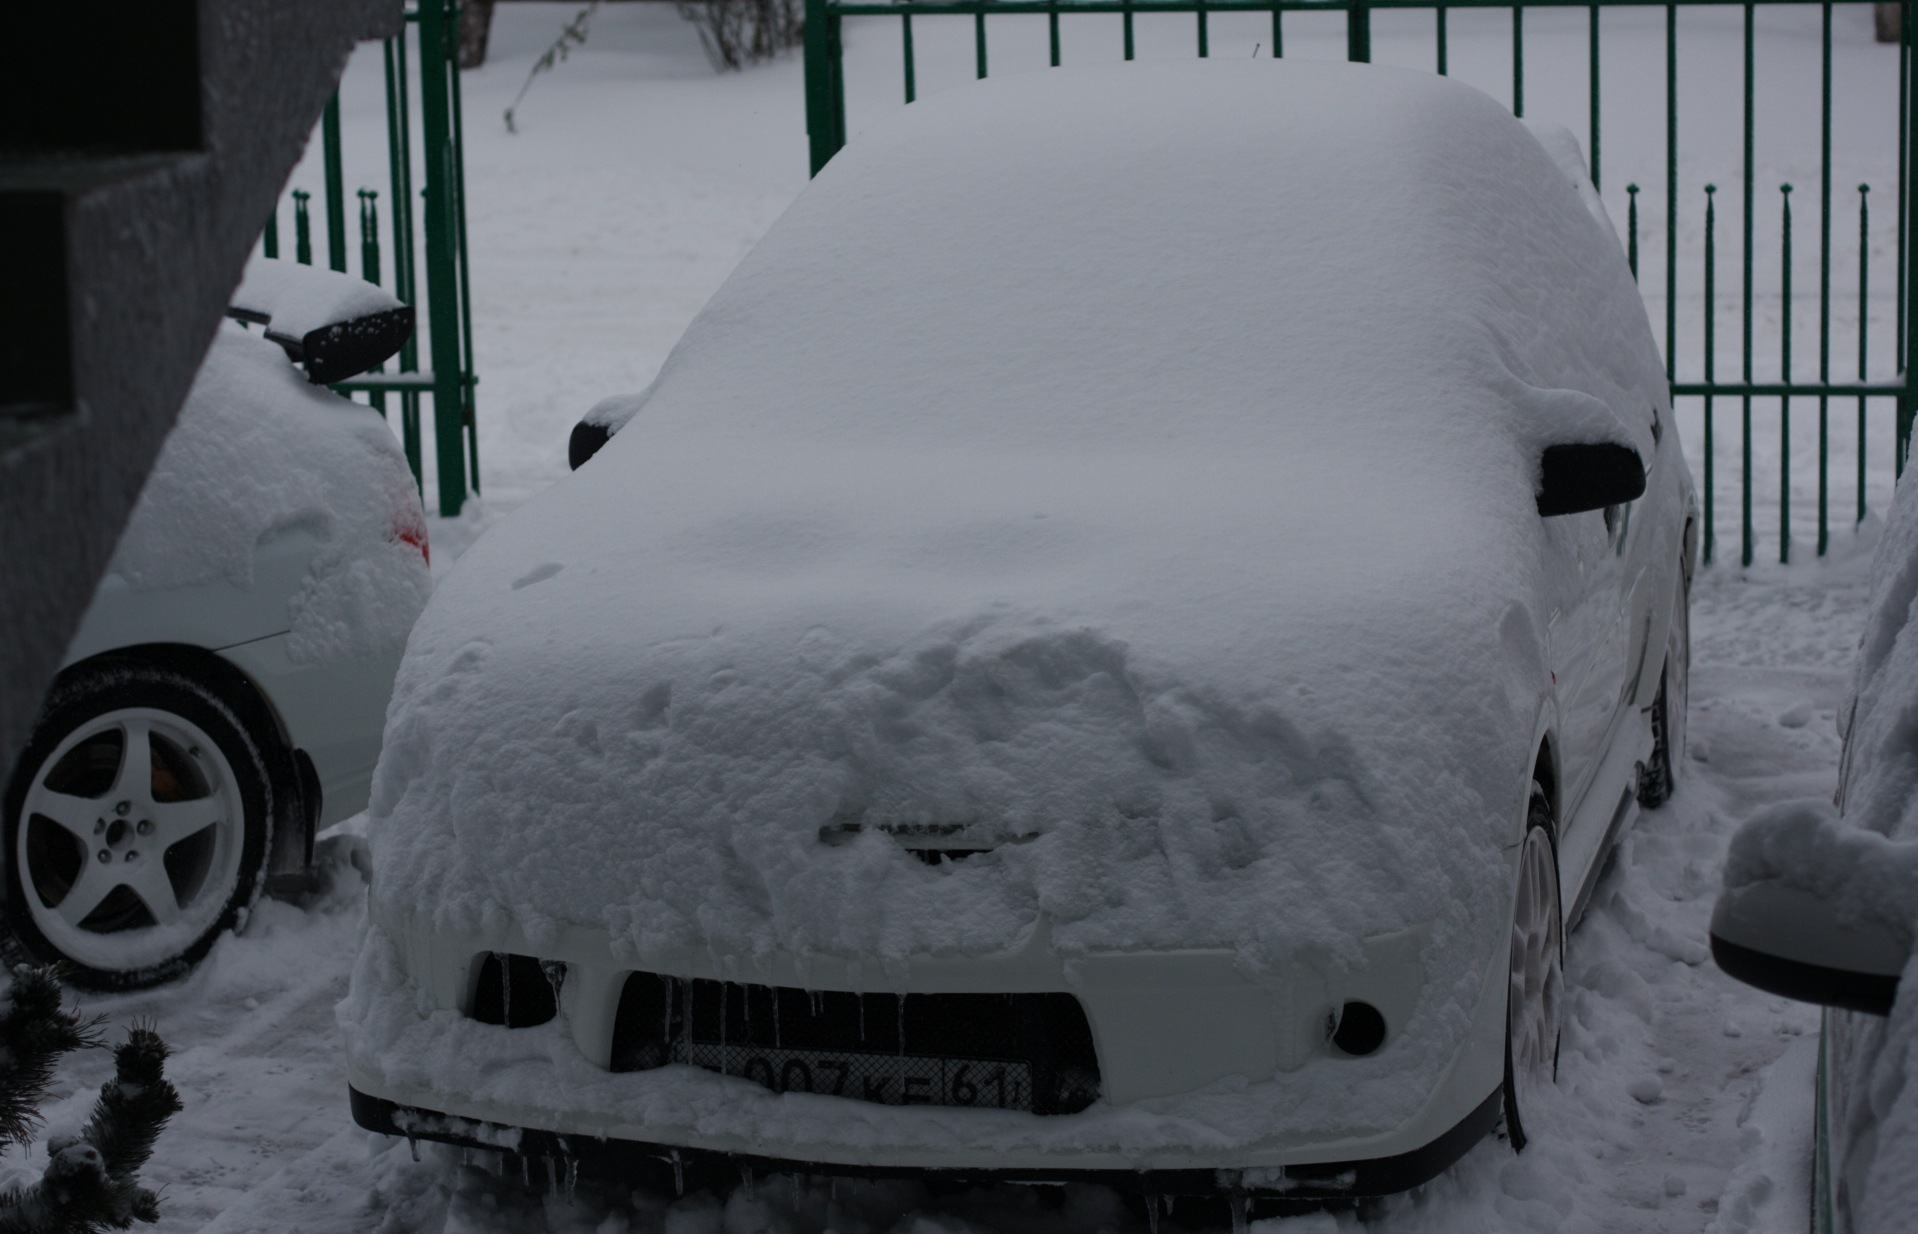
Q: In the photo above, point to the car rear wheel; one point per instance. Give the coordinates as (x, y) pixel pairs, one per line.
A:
(1536, 992)
(136, 826)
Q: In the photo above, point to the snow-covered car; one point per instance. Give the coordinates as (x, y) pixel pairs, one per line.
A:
(223, 696)
(1821, 905)
(1113, 649)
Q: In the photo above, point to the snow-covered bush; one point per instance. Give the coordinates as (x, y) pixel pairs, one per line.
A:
(92, 1177)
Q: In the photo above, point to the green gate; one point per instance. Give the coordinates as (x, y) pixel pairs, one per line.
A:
(1859, 361)
(445, 307)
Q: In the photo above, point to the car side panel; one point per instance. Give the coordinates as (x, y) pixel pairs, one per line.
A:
(335, 711)
(213, 614)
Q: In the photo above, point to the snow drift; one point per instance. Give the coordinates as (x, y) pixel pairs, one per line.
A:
(1135, 463)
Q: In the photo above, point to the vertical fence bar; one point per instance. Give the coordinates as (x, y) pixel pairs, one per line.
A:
(369, 236)
(1631, 229)
(1671, 198)
(370, 268)
(1127, 15)
(1711, 367)
(905, 54)
(1904, 166)
(270, 239)
(1784, 400)
(979, 42)
(1745, 556)
(1358, 31)
(1278, 33)
(1052, 24)
(1444, 46)
(1204, 35)
(817, 50)
(469, 380)
(399, 154)
(1824, 289)
(335, 184)
(1907, 320)
(1518, 60)
(1864, 335)
(1592, 41)
(302, 228)
(442, 277)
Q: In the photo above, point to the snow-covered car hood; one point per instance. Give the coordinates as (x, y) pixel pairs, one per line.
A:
(1137, 463)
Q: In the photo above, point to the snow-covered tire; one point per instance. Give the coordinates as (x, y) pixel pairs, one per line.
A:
(1535, 992)
(1659, 776)
(137, 825)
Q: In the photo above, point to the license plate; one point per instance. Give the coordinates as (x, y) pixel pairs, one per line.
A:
(889, 1079)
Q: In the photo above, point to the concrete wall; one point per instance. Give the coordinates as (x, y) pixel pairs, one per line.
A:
(140, 151)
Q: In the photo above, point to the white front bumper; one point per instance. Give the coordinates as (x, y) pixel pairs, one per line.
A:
(1202, 1066)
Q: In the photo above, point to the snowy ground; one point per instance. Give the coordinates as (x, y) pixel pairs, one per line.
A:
(636, 182)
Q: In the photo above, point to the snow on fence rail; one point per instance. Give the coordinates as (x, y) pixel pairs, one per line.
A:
(436, 162)
(1757, 150)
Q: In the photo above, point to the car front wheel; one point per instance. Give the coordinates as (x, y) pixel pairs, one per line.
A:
(1536, 993)
(136, 828)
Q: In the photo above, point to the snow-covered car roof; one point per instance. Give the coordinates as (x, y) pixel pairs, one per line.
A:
(1137, 462)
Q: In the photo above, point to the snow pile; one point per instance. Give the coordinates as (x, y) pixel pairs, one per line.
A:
(1058, 468)
(1562, 145)
(257, 451)
(1865, 875)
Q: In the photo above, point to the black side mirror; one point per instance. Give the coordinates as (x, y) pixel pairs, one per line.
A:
(1786, 941)
(1588, 476)
(585, 442)
(348, 348)
(332, 324)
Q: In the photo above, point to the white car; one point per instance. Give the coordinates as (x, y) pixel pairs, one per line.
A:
(1113, 649)
(223, 696)
(1821, 905)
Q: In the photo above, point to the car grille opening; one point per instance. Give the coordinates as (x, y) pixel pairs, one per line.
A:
(932, 843)
(516, 991)
(1029, 1052)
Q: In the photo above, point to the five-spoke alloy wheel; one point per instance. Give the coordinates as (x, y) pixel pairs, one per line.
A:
(1536, 994)
(136, 826)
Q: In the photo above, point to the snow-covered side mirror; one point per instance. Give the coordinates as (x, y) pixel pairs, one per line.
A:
(598, 425)
(1789, 942)
(332, 324)
(1588, 475)
(588, 436)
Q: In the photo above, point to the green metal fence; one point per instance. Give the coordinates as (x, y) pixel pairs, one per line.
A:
(1856, 370)
(422, 106)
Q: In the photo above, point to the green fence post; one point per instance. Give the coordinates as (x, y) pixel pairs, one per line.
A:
(1907, 251)
(825, 106)
(1358, 31)
(335, 185)
(442, 240)
(302, 228)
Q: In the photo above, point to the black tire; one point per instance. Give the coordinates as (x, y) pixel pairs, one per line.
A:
(1539, 844)
(1658, 778)
(176, 849)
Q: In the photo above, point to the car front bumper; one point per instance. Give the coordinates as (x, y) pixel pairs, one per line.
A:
(1212, 1081)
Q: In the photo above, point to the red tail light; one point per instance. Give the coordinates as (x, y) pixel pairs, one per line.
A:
(409, 527)
(416, 536)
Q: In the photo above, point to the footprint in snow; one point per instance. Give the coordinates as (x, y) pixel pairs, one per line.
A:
(538, 574)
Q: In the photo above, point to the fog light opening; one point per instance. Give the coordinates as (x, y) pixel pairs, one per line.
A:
(1360, 1030)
